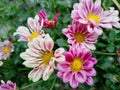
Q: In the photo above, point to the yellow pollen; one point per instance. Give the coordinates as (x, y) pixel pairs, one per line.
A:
(6, 49)
(46, 57)
(93, 17)
(79, 37)
(51, 21)
(76, 65)
(34, 35)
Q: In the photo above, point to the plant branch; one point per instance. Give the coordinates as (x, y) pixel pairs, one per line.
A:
(51, 88)
(24, 88)
(104, 53)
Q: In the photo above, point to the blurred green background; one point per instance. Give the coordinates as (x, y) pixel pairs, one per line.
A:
(14, 13)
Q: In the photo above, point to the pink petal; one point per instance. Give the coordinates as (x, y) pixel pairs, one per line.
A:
(89, 81)
(60, 74)
(42, 14)
(59, 52)
(93, 60)
(63, 66)
(68, 56)
(66, 76)
(49, 44)
(90, 72)
(47, 72)
(56, 17)
(31, 24)
(88, 64)
(80, 76)
(73, 82)
(87, 55)
(60, 58)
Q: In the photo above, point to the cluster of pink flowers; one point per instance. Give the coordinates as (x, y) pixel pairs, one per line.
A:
(75, 66)
(40, 55)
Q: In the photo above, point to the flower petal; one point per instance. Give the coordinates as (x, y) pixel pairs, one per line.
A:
(67, 75)
(80, 76)
(68, 56)
(73, 82)
(89, 81)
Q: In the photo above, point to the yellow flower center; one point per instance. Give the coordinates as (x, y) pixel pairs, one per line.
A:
(34, 35)
(93, 17)
(46, 57)
(51, 21)
(79, 37)
(76, 65)
(6, 49)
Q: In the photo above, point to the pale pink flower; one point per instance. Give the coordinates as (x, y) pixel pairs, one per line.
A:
(93, 15)
(41, 57)
(78, 34)
(48, 23)
(33, 31)
(6, 48)
(77, 68)
(8, 86)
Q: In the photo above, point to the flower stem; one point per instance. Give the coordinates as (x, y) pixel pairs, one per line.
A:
(51, 88)
(24, 88)
(116, 3)
(104, 53)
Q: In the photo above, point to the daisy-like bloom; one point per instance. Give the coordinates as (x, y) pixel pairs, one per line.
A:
(77, 68)
(48, 23)
(34, 30)
(6, 48)
(78, 35)
(1, 63)
(93, 15)
(41, 57)
(8, 86)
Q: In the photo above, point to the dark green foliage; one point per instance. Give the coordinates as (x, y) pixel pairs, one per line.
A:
(14, 13)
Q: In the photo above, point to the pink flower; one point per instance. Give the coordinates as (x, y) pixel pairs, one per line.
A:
(77, 68)
(48, 23)
(8, 86)
(41, 57)
(78, 35)
(33, 32)
(93, 15)
(6, 48)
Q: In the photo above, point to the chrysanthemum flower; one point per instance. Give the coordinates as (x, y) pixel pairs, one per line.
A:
(34, 30)
(78, 35)
(93, 15)
(6, 48)
(77, 68)
(48, 23)
(41, 57)
(8, 86)
(1, 63)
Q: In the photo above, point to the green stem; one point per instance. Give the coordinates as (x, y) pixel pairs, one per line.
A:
(116, 3)
(23, 88)
(104, 53)
(51, 88)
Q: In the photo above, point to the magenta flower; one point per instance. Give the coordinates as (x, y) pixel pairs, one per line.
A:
(48, 23)
(8, 86)
(77, 68)
(93, 15)
(78, 35)
(6, 48)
